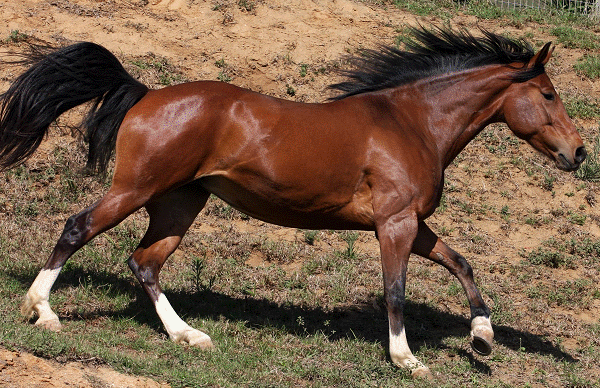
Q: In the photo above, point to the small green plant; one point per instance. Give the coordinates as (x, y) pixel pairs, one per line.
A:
(221, 64)
(226, 73)
(224, 77)
(548, 183)
(303, 69)
(16, 36)
(350, 252)
(197, 269)
(590, 168)
(167, 73)
(310, 236)
(445, 231)
(246, 5)
(577, 219)
(290, 91)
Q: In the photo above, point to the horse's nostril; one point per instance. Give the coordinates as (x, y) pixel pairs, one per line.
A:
(580, 154)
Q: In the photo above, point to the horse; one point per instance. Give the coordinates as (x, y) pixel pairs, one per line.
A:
(371, 158)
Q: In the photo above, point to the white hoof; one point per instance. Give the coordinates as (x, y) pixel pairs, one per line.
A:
(482, 335)
(37, 306)
(52, 324)
(195, 338)
(421, 372)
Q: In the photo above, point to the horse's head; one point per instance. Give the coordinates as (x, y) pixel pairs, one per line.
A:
(535, 113)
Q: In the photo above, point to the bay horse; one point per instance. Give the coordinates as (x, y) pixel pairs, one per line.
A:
(372, 158)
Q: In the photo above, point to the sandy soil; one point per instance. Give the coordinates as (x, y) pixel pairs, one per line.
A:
(261, 47)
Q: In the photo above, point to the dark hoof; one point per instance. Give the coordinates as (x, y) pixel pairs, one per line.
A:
(481, 346)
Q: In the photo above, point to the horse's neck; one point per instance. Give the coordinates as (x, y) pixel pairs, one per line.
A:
(461, 105)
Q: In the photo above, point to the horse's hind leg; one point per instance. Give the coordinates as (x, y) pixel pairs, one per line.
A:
(430, 246)
(170, 217)
(79, 229)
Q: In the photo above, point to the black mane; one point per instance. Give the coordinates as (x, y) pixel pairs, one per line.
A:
(432, 52)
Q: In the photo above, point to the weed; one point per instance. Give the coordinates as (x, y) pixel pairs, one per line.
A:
(303, 70)
(166, 73)
(224, 77)
(548, 182)
(421, 8)
(576, 218)
(279, 251)
(290, 91)
(350, 253)
(16, 37)
(217, 208)
(221, 63)
(483, 10)
(590, 168)
(246, 5)
(310, 236)
(445, 231)
(550, 258)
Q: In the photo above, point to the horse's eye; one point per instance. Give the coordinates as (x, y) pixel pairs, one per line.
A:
(548, 96)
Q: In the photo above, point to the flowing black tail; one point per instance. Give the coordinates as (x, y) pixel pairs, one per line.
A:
(59, 81)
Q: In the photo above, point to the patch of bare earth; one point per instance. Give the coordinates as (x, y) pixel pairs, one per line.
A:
(19, 370)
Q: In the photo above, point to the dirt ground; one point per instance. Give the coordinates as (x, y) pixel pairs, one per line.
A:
(258, 44)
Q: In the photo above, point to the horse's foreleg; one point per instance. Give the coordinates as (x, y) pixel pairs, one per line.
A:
(78, 230)
(430, 246)
(395, 238)
(170, 218)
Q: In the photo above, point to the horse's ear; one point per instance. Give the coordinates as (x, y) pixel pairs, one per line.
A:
(542, 57)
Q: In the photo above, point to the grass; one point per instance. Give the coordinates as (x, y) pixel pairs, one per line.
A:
(590, 168)
(581, 106)
(483, 9)
(589, 66)
(571, 37)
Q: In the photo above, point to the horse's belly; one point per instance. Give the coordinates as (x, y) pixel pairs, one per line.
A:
(295, 208)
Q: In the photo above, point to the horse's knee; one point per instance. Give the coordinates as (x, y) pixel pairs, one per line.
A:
(75, 232)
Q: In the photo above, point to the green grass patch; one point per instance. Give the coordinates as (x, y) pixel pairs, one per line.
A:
(575, 38)
(589, 66)
(581, 106)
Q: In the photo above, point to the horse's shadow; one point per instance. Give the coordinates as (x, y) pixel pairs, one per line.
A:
(425, 325)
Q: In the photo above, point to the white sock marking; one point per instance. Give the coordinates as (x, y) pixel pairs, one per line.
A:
(400, 352)
(178, 330)
(36, 300)
(174, 325)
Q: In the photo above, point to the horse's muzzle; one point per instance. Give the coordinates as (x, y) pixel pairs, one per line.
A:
(565, 164)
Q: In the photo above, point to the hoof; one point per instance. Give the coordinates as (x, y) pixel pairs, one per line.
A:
(49, 324)
(203, 343)
(481, 346)
(482, 336)
(194, 338)
(421, 372)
